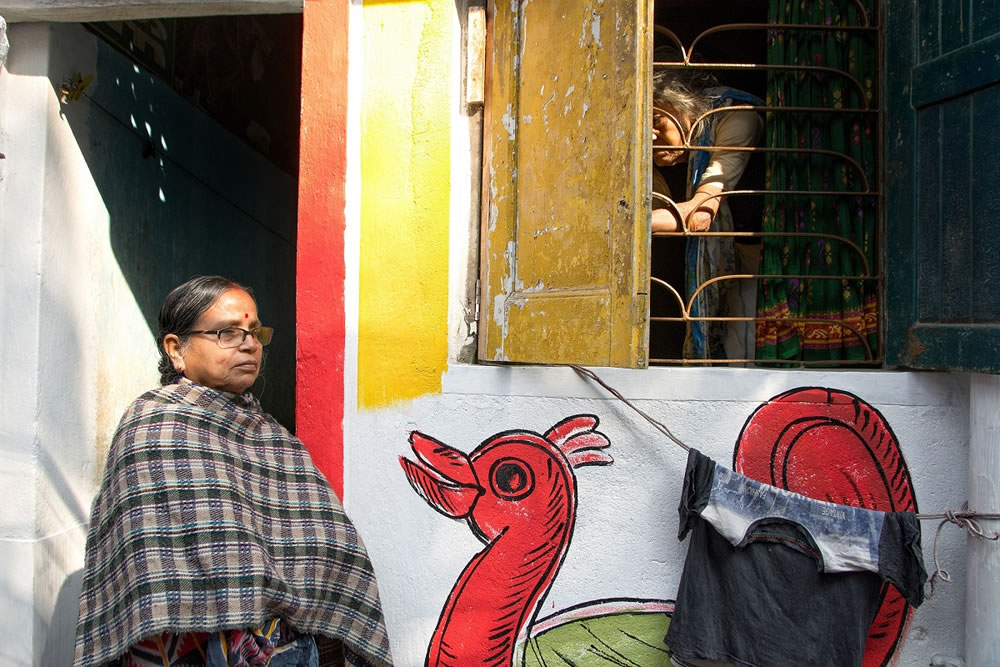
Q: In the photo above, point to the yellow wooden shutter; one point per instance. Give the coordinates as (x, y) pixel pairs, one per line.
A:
(565, 240)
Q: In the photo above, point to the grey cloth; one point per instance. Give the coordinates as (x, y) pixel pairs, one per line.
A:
(773, 578)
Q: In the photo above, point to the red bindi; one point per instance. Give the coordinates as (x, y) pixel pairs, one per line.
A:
(246, 316)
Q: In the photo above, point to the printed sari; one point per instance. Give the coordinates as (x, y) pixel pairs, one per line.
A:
(832, 318)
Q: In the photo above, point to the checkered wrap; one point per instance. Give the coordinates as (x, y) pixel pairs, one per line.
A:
(212, 516)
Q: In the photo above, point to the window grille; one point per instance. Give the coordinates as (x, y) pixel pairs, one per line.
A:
(807, 213)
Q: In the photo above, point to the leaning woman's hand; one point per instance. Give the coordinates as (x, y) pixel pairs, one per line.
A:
(697, 213)
(700, 220)
(700, 210)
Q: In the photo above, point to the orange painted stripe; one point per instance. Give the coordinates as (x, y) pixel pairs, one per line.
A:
(319, 387)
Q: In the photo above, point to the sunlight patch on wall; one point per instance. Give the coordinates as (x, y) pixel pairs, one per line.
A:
(405, 191)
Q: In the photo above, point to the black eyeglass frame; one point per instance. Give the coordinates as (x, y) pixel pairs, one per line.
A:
(246, 332)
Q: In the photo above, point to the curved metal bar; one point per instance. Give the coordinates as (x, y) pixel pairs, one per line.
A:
(769, 109)
(764, 108)
(673, 206)
(863, 11)
(677, 295)
(865, 275)
(836, 155)
(760, 276)
(773, 109)
(798, 363)
(764, 67)
(838, 193)
(772, 149)
(834, 237)
(672, 36)
(820, 27)
(674, 119)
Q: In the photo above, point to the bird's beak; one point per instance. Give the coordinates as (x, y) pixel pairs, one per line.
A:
(442, 475)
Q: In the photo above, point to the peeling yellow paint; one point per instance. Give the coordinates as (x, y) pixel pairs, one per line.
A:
(569, 208)
(405, 192)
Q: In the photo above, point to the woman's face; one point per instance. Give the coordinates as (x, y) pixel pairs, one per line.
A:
(202, 360)
(666, 133)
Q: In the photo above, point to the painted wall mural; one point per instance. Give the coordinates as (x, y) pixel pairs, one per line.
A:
(833, 446)
(517, 491)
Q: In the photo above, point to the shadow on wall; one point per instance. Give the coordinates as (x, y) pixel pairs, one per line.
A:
(186, 197)
(57, 560)
(58, 646)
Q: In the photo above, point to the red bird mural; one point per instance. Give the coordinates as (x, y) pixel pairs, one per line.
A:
(518, 492)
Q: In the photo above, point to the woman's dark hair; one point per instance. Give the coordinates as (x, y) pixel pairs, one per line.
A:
(182, 308)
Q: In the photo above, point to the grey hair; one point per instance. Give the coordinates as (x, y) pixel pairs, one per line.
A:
(680, 90)
(181, 308)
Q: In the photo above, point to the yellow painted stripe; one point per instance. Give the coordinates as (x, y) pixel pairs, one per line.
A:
(405, 168)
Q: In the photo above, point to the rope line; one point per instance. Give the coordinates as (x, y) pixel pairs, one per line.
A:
(939, 572)
(969, 520)
(614, 392)
(963, 518)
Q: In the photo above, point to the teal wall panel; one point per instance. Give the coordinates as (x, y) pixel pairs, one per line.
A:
(943, 214)
(186, 197)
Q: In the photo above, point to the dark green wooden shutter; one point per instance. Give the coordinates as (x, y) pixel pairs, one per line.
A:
(943, 184)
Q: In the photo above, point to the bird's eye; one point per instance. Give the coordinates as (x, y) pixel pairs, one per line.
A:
(511, 479)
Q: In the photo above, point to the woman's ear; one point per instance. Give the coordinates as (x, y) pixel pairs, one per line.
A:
(174, 347)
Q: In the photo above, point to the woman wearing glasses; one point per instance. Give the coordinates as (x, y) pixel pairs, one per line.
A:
(214, 540)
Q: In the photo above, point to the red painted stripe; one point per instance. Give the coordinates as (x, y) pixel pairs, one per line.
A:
(319, 290)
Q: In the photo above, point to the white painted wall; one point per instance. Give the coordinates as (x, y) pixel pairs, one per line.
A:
(982, 637)
(76, 349)
(19, 320)
(625, 541)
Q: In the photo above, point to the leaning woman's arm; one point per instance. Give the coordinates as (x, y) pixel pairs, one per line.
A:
(737, 128)
(665, 220)
(700, 210)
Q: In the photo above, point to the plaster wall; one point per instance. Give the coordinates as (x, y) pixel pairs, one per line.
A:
(92, 233)
(19, 303)
(624, 544)
(83, 343)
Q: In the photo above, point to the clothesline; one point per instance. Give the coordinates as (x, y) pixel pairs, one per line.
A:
(969, 520)
(962, 518)
(657, 425)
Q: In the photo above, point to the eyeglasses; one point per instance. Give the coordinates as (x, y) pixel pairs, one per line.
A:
(234, 336)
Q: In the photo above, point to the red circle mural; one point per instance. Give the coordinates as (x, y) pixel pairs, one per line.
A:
(831, 445)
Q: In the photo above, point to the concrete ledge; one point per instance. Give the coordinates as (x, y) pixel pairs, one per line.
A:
(880, 387)
(77, 11)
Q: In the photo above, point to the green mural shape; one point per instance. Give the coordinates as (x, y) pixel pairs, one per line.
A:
(624, 638)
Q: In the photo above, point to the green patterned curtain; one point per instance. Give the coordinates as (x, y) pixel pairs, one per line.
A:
(823, 306)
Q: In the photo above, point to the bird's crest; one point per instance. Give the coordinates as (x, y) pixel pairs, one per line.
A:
(580, 442)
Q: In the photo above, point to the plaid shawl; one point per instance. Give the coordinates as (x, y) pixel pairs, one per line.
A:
(212, 516)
